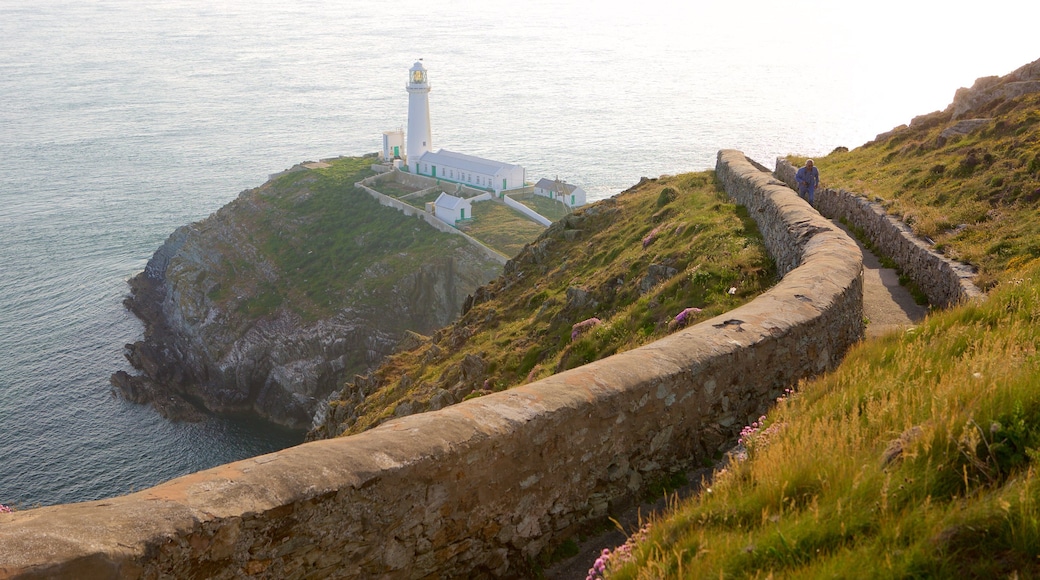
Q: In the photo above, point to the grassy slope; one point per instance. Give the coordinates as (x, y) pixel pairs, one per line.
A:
(524, 332)
(917, 457)
(321, 236)
(976, 195)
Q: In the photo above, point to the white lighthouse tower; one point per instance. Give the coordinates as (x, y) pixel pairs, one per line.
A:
(419, 140)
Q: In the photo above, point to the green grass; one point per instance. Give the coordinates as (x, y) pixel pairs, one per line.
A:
(420, 201)
(393, 188)
(977, 196)
(524, 332)
(501, 227)
(552, 209)
(310, 242)
(917, 457)
(824, 494)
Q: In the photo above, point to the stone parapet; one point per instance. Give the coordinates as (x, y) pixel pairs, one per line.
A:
(480, 488)
(946, 282)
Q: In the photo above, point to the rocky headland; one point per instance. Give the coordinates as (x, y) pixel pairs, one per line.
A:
(269, 304)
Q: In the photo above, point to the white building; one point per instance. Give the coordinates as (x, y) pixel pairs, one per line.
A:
(420, 139)
(451, 209)
(444, 165)
(570, 195)
(470, 170)
(393, 145)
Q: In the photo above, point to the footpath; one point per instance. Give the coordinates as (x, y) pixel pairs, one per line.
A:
(887, 306)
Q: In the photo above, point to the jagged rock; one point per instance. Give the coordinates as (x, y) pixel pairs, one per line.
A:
(440, 399)
(411, 341)
(432, 354)
(579, 298)
(473, 368)
(479, 296)
(459, 336)
(404, 408)
(1022, 81)
(887, 134)
(655, 274)
(963, 127)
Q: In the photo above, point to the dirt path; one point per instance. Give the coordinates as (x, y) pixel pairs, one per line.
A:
(887, 306)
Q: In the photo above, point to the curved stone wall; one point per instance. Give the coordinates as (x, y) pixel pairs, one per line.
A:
(479, 488)
(943, 280)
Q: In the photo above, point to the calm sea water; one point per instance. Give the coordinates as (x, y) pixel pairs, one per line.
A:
(122, 120)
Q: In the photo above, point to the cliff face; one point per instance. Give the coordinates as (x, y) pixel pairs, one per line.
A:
(267, 305)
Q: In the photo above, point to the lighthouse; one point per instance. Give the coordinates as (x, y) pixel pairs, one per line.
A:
(419, 140)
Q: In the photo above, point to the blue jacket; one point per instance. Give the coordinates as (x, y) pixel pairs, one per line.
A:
(807, 179)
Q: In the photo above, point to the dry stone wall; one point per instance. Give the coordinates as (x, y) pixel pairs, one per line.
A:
(479, 488)
(943, 280)
(429, 218)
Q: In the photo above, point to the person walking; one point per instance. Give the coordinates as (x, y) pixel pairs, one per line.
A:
(808, 178)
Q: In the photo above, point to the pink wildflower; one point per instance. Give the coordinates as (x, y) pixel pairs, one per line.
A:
(651, 237)
(684, 317)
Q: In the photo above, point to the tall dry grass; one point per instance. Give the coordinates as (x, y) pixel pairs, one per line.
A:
(916, 458)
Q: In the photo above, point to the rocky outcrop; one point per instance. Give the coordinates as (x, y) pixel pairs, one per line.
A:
(970, 106)
(987, 90)
(209, 346)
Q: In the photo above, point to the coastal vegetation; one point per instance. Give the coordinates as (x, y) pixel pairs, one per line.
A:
(322, 237)
(501, 228)
(610, 277)
(973, 191)
(918, 456)
(269, 303)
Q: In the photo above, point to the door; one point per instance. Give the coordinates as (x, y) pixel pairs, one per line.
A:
(434, 170)
(397, 150)
(462, 213)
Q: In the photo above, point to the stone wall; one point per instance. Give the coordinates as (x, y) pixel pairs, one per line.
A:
(423, 182)
(479, 488)
(537, 217)
(436, 223)
(943, 280)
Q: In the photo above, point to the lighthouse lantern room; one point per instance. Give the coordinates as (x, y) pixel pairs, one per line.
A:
(419, 135)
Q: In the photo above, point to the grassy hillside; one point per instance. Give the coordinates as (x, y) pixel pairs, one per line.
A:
(918, 456)
(621, 269)
(311, 242)
(976, 195)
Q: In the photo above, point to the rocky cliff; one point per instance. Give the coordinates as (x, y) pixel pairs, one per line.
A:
(268, 304)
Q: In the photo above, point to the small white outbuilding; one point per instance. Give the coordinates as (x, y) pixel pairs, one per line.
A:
(451, 209)
(570, 195)
(393, 145)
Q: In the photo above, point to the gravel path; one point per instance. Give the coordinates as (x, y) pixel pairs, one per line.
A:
(887, 306)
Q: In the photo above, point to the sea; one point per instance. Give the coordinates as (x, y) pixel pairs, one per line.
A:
(121, 120)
